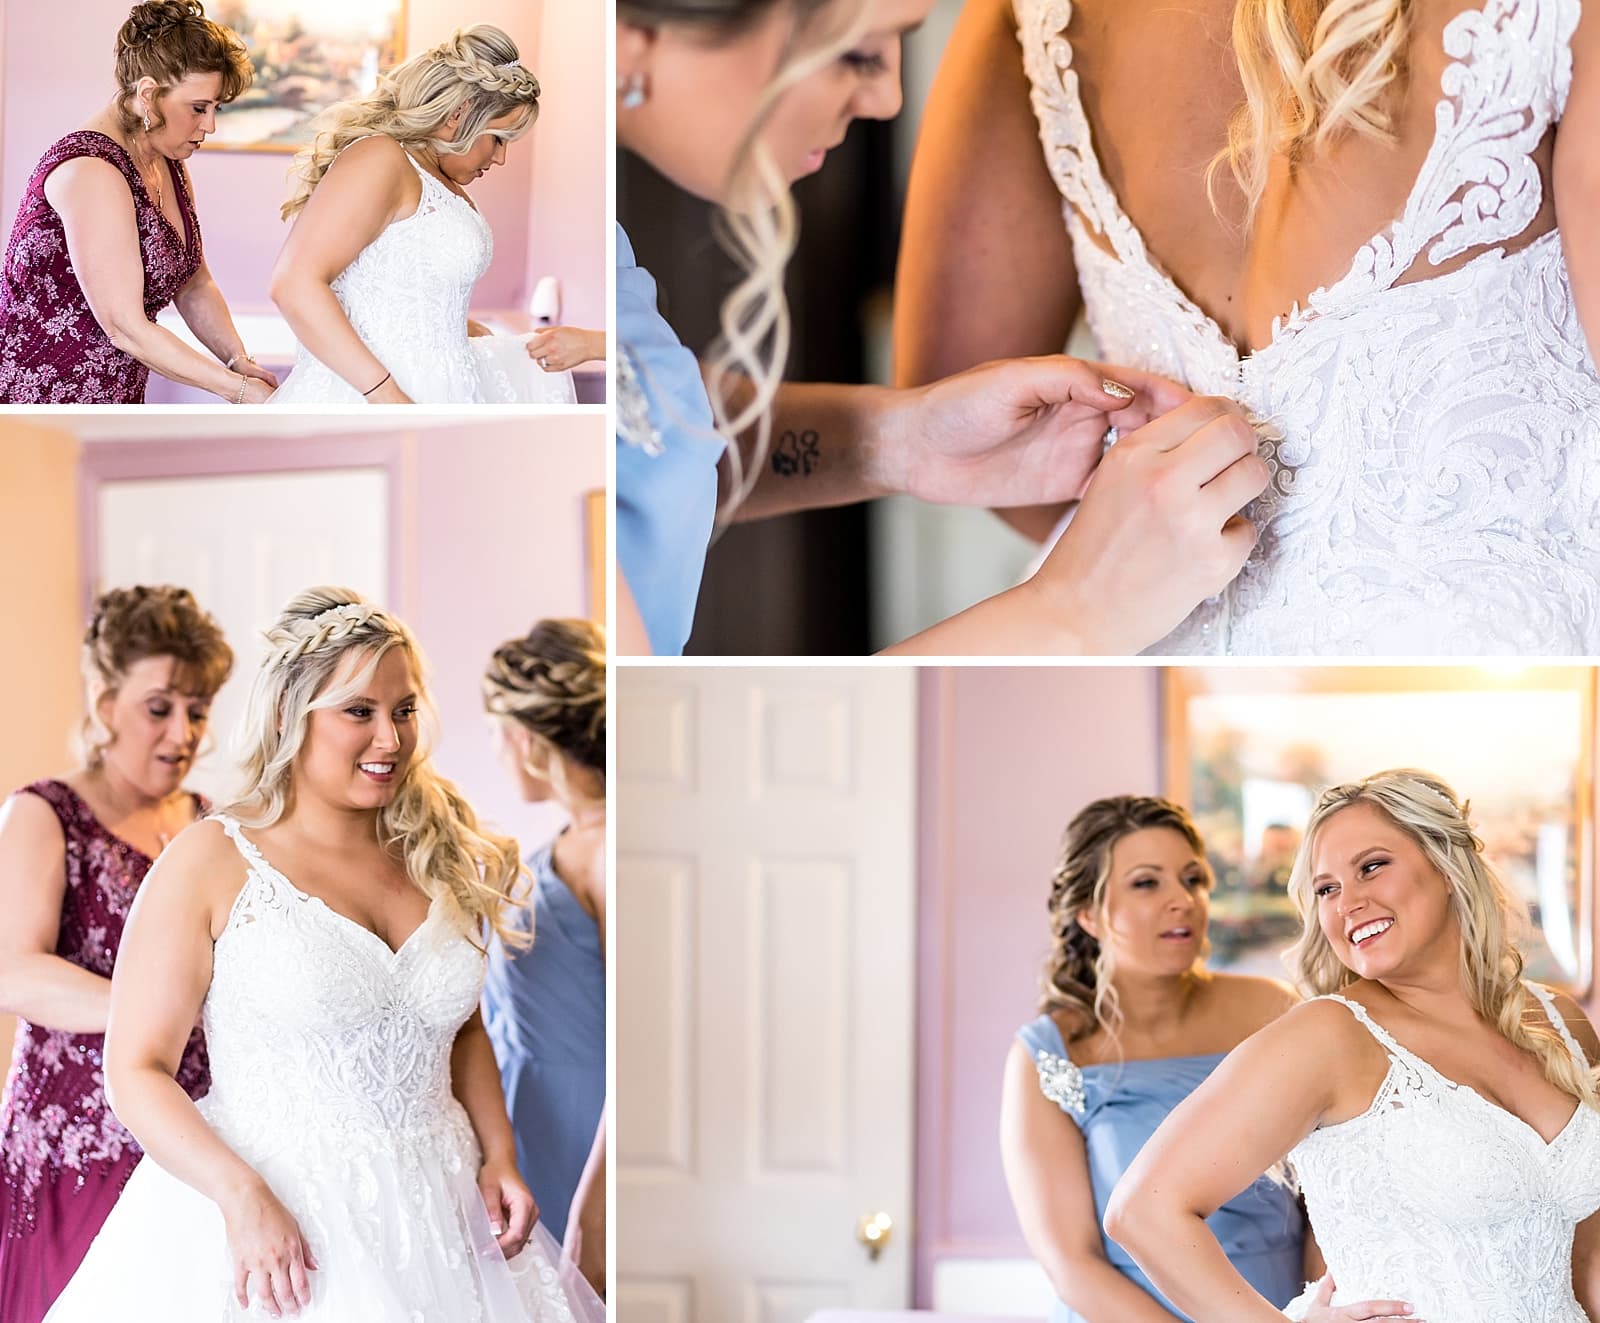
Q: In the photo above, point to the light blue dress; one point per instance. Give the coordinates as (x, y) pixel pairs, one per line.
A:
(1118, 1106)
(667, 455)
(545, 1009)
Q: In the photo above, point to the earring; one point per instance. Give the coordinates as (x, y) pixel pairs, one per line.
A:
(635, 92)
(147, 124)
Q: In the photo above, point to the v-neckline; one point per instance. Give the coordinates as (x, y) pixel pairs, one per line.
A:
(114, 837)
(1241, 356)
(179, 192)
(394, 952)
(1396, 1049)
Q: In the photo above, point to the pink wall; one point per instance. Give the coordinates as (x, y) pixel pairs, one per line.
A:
(1007, 757)
(55, 71)
(567, 238)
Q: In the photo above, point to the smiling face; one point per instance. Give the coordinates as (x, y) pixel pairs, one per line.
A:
(155, 722)
(189, 109)
(705, 94)
(1157, 904)
(488, 149)
(356, 754)
(1381, 904)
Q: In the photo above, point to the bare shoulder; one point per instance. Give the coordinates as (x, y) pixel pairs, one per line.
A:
(28, 823)
(375, 158)
(201, 867)
(1254, 998)
(1578, 1024)
(1316, 1029)
(87, 179)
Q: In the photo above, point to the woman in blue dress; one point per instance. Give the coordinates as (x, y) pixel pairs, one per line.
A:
(545, 1008)
(733, 100)
(1132, 1023)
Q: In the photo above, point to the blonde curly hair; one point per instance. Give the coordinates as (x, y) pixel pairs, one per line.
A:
(478, 68)
(1489, 915)
(428, 822)
(1313, 70)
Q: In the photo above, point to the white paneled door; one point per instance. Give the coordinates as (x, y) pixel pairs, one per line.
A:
(244, 545)
(765, 937)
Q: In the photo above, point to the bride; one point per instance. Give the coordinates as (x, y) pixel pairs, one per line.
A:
(353, 1159)
(377, 274)
(1441, 1114)
(1345, 218)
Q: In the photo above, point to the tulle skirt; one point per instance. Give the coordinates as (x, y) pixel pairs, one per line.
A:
(399, 1237)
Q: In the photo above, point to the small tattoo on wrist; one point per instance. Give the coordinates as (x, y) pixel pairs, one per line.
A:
(797, 453)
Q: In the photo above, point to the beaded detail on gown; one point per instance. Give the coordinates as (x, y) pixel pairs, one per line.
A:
(407, 295)
(1437, 1196)
(52, 351)
(64, 1156)
(331, 1078)
(1435, 442)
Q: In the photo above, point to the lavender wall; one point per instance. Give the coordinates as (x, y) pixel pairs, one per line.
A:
(1007, 757)
(546, 204)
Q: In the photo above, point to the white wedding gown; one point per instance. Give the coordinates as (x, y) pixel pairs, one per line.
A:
(1437, 1196)
(1435, 443)
(407, 294)
(330, 1061)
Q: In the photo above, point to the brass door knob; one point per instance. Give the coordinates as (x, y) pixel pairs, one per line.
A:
(873, 1231)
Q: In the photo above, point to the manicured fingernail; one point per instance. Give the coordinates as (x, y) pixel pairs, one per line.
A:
(1115, 389)
(496, 1228)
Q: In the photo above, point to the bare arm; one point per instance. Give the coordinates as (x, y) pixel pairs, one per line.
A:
(475, 1079)
(986, 267)
(632, 638)
(1267, 1095)
(102, 232)
(205, 311)
(163, 973)
(1586, 1266)
(1576, 181)
(586, 1219)
(1047, 1172)
(368, 187)
(36, 983)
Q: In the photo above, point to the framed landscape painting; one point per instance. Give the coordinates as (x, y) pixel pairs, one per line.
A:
(306, 57)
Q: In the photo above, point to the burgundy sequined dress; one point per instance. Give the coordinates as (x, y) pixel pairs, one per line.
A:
(64, 1157)
(52, 351)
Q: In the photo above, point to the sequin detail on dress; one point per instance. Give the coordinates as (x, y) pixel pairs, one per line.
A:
(1060, 1081)
(1434, 444)
(52, 351)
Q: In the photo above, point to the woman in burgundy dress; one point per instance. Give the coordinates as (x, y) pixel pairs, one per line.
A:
(107, 233)
(72, 854)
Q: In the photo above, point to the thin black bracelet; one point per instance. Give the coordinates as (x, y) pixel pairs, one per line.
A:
(386, 377)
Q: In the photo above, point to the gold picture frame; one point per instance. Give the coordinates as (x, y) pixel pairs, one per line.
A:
(1248, 749)
(306, 57)
(595, 536)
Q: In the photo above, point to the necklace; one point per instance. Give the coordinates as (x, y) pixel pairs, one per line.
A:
(152, 181)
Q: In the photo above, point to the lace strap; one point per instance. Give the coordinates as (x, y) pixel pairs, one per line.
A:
(1559, 1021)
(245, 845)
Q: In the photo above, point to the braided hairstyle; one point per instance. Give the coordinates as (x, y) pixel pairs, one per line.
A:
(428, 822)
(1487, 912)
(168, 40)
(553, 684)
(130, 624)
(478, 68)
(1077, 973)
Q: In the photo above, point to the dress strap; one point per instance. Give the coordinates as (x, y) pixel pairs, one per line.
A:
(1559, 1021)
(246, 846)
(1372, 1026)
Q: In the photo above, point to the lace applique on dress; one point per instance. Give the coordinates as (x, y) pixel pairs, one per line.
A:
(1434, 443)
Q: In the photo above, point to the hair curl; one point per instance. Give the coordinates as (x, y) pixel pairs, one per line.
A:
(1488, 914)
(168, 40)
(477, 68)
(553, 684)
(759, 227)
(1313, 70)
(1077, 973)
(131, 624)
(428, 821)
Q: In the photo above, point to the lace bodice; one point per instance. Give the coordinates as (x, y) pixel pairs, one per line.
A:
(1437, 1196)
(1435, 442)
(313, 1021)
